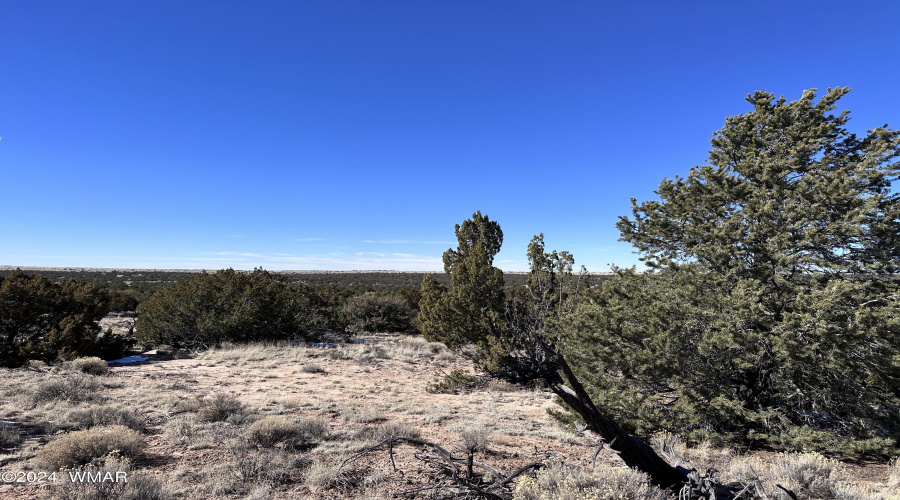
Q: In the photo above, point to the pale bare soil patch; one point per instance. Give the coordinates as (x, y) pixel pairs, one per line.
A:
(277, 421)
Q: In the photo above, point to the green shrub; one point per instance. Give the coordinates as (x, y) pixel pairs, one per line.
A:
(83, 447)
(48, 321)
(227, 306)
(454, 383)
(378, 312)
(559, 481)
(90, 365)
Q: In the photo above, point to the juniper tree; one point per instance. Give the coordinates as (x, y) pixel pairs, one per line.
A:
(772, 310)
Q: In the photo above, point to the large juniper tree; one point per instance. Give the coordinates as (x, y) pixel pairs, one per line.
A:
(773, 310)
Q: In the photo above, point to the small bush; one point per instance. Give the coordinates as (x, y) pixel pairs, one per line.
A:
(269, 431)
(560, 481)
(83, 447)
(259, 467)
(454, 383)
(74, 388)
(475, 437)
(136, 486)
(105, 415)
(219, 408)
(90, 365)
(808, 474)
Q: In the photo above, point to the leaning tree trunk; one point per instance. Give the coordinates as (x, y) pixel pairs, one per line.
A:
(633, 451)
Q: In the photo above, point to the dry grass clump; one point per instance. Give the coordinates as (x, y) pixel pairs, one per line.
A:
(181, 429)
(83, 447)
(893, 481)
(360, 415)
(810, 475)
(259, 466)
(90, 365)
(387, 430)
(272, 430)
(72, 388)
(326, 472)
(135, 487)
(219, 408)
(559, 481)
(105, 415)
(311, 368)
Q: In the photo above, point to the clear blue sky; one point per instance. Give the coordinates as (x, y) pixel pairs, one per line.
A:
(354, 135)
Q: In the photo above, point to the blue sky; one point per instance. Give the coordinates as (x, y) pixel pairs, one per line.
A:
(354, 135)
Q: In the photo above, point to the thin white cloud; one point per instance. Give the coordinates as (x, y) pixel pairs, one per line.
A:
(307, 239)
(409, 242)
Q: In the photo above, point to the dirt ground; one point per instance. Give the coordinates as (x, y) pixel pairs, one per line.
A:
(352, 389)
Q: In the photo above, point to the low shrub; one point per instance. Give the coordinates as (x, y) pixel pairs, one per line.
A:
(808, 474)
(560, 481)
(475, 437)
(326, 472)
(106, 415)
(312, 368)
(83, 447)
(73, 388)
(272, 430)
(219, 408)
(455, 382)
(90, 365)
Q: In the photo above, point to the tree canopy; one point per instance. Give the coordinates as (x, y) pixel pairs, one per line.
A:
(771, 310)
(45, 320)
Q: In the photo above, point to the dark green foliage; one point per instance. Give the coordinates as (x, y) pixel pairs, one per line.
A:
(773, 309)
(378, 312)
(471, 313)
(48, 321)
(225, 306)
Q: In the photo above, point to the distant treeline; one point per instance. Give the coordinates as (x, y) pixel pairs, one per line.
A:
(141, 284)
